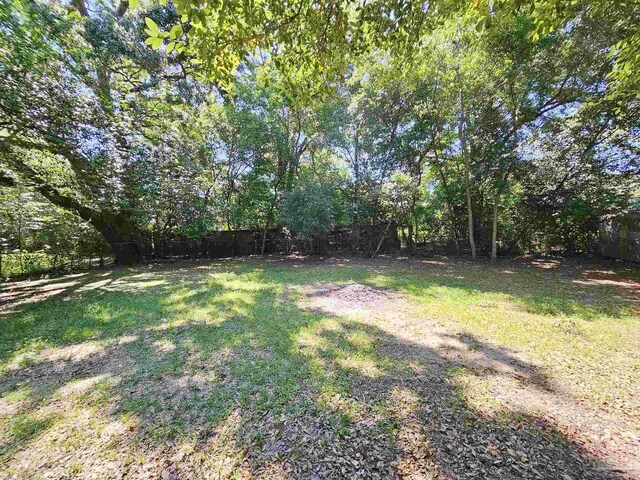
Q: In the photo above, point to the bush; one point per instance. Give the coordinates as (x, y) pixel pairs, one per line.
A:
(308, 210)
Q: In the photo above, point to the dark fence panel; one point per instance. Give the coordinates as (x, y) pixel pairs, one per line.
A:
(249, 242)
(620, 237)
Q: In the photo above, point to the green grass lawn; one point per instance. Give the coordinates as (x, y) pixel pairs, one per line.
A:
(232, 369)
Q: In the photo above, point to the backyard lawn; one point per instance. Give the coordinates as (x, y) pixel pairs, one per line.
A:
(335, 368)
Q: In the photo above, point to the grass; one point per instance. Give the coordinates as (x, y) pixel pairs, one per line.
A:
(220, 368)
(587, 337)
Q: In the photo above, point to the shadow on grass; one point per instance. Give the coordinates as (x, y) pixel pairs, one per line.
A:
(535, 292)
(224, 356)
(22, 428)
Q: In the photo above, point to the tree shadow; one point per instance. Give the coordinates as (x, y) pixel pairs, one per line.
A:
(14, 296)
(417, 390)
(230, 365)
(534, 292)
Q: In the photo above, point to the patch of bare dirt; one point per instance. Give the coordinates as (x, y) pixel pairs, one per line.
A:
(353, 298)
(629, 287)
(397, 315)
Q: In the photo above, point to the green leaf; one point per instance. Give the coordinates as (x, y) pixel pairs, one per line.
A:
(153, 26)
(156, 43)
(133, 4)
(170, 46)
(176, 32)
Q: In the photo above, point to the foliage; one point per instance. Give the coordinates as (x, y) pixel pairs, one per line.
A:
(308, 42)
(37, 237)
(621, 19)
(309, 209)
(515, 136)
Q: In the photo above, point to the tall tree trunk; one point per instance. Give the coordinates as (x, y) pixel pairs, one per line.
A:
(467, 170)
(494, 231)
(20, 241)
(496, 206)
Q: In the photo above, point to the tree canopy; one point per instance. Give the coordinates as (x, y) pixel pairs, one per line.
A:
(484, 127)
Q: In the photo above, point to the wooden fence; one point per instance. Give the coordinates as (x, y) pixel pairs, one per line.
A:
(620, 237)
(361, 239)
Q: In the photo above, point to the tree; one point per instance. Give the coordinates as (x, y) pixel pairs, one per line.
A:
(79, 94)
(309, 42)
(620, 20)
(309, 210)
(396, 112)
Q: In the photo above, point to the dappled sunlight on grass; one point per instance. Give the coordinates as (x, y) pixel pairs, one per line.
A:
(556, 323)
(361, 364)
(232, 366)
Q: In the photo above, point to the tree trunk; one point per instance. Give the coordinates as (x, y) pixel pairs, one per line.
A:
(496, 206)
(117, 227)
(126, 253)
(449, 204)
(410, 237)
(467, 169)
(494, 232)
(119, 231)
(377, 250)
